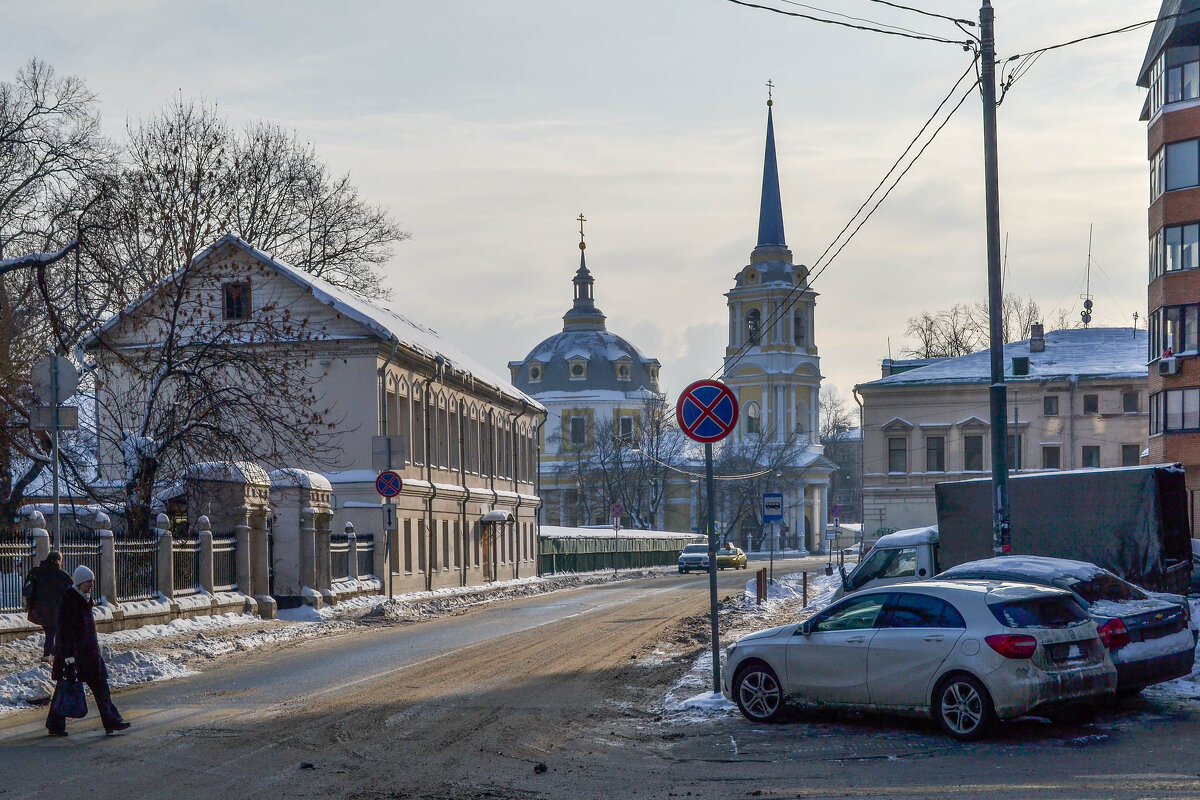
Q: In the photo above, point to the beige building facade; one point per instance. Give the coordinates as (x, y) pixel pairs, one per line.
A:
(1077, 399)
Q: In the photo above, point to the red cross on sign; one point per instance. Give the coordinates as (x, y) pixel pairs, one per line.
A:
(707, 411)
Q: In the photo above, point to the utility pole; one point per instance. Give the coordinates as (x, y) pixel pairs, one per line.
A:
(998, 391)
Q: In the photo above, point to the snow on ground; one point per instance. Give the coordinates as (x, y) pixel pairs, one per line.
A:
(162, 652)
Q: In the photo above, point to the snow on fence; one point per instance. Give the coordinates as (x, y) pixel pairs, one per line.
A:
(136, 568)
(224, 550)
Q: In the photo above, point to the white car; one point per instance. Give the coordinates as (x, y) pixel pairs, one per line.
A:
(965, 652)
(694, 556)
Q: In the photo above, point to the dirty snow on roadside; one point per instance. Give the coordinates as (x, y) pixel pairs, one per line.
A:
(691, 698)
(184, 646)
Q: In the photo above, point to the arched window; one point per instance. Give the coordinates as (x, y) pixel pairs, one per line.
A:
(802, 417)
(753, 418)
(799, 328)
(753, 326)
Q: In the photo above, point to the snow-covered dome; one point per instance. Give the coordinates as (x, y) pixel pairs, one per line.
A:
(584, 356)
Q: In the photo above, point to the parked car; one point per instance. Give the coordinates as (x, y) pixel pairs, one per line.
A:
(731, 557)
(694, 556)
(965, 652)
(1150, 635)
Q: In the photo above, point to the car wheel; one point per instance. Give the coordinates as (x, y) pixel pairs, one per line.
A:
(758, 694)
(963, 707)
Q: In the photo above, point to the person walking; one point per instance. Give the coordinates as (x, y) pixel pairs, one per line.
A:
(46, 584)
(76, 645)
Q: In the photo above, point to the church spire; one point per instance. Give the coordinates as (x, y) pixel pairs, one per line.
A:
(583, 313)
(770, 213)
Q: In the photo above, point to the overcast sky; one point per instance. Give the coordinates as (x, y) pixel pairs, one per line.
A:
(486, 127)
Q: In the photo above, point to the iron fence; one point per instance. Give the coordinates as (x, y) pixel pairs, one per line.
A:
(339, 557)
(185, 564)
(81, 547)
(137, 568)
(224, 563)
(16, 559)
(366, 555)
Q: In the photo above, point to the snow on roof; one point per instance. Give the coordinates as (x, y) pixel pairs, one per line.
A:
(1095, 353)
(384, 323)
(1033, 567)
(559, 532)
(229, 472)
(301, 478)
(909, 537)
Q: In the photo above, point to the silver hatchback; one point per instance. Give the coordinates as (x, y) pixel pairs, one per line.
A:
(967, 653)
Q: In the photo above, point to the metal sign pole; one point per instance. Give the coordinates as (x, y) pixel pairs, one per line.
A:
(54, 447)
(712, 568)
(387, 534)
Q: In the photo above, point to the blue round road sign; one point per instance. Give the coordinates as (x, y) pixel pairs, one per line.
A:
(707, 411)
(388, 483)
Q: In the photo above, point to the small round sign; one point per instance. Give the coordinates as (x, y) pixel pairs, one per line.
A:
(388, 483)
(617, 510)
(707, 411)
(835, 511)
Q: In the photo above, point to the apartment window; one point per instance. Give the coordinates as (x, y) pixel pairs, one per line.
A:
(1129, 402)
(1091, 456)
(237, 300)
(1050, 405)
(1182, 169)
(1175, 410)
(897, 455)
(1131, 455)
(935, 454)
(1156, 420)
(1091, 404)
(1177, 327)
(1174, 77)
(973, 453)
(1157, 164)
(577, 428)
(1014, 451)
(1051, 457)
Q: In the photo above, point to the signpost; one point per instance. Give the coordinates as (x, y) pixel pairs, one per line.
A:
(707, 412)
(54, 379)
(616, 511)
(772, 514)
(389, 484)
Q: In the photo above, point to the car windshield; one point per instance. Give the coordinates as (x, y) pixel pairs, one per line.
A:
(695, 548)
(1039, 612)
(1104, 586)
(886, 563)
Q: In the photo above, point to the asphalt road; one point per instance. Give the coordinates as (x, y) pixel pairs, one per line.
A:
(557, 696)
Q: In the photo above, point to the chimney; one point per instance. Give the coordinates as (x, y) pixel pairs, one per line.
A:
(1037, 338)
(887, 367)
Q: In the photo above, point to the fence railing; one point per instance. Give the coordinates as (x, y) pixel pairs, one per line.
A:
(366, 555)
(224, 563)
(16, 559)
(185, 564)
(136, 568)
(339, 557)
(81, 546)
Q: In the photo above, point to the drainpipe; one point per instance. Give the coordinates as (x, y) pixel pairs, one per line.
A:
(862, 457)
(1072, 384)
(464, 531)
(439, 364)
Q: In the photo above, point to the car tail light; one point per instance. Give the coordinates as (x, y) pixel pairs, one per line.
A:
(1114, 634)
(1012, 645)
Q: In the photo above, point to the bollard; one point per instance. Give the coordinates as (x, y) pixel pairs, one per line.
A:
(804, 584)
(761, 585)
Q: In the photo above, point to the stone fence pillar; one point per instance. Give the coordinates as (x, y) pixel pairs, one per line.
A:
(40, 537)
(260, 563)
(204, 570)
(165, 557)
(108, 561)
(241, 534)
(351, 552)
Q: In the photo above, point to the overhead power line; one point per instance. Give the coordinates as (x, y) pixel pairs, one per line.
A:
(955, 20)
(847, 16)
(918, 36)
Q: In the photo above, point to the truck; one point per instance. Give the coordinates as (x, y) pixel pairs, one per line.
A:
(1132, 521)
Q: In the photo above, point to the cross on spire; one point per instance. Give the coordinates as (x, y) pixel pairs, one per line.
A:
(770, 86)
(582, 220)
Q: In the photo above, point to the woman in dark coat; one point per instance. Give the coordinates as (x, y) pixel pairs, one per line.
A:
(77, 648)
(47, 583)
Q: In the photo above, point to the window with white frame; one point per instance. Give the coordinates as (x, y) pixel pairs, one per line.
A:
(973, 453)
(753, 417)
(897, 454)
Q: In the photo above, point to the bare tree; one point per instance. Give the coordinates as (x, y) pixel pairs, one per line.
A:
(764, 463)
(963, 329)
(836, 418)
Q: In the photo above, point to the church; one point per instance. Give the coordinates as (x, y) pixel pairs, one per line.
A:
(602, 448)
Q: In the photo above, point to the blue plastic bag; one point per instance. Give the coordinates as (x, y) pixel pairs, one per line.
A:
(68, 699)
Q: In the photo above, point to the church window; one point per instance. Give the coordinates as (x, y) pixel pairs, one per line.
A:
(754, 326)
(801, 417)
(623, 372)
(577, 430)
(625, 429)
(753, 418)
(799, 328)
(237, 300)
(535, 374)
(578, 370)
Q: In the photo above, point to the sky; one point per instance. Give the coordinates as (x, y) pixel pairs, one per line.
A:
(486, 128)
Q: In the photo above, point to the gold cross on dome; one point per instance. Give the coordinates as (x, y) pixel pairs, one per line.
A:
(582, 220)
(770, 85)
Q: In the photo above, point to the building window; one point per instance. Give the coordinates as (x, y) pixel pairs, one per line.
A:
(799, 328)
(1051, 457)
(1129, 402)
(1014, 451)
(973, 453)
(623, 372)
(1175, 410)
(1131, 455)
(897, 455)
(1050, 405)
(578, 370)
(577, 429)
(1091, 456)
(1182, 165)
(935, 454)
(625, 429)
(753, 326)
(753, 418)
(1091, 404)
(1174, 248)
(1176, 327)
(535, 374)
(237, 300)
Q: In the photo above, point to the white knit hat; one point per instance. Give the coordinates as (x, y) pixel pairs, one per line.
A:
(82, 575)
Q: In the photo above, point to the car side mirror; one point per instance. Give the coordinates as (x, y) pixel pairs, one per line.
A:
(845, 578)
(805, 627)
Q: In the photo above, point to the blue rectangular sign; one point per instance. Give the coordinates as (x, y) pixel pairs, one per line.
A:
(772, 508)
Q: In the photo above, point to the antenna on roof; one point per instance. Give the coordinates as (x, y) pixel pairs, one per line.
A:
(1086, 314)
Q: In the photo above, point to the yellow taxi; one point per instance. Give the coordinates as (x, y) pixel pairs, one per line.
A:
(731, 557)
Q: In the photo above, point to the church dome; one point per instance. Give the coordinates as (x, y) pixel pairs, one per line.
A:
(585, 356)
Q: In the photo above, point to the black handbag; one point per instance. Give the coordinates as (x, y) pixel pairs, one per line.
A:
(69, 700)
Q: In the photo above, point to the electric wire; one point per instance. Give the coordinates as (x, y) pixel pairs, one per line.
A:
(926, 13)
(917, 36)
(847, 16)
